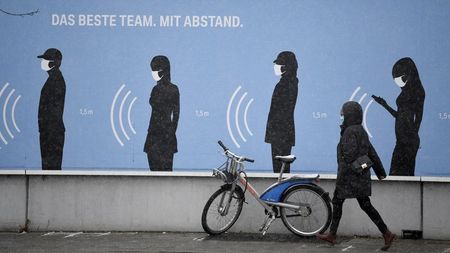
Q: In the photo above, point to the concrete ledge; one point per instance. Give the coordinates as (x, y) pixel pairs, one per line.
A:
(199, 174)
(116, 173)
(173, 201)
(435, 179)
(12, 172)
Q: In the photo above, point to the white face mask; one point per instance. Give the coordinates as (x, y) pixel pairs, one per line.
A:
(277, 69)
(342, 119)
(399, 81)
(45, 65)
(156, 76)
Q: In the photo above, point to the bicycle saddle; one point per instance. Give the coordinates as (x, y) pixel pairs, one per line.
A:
(287, 158)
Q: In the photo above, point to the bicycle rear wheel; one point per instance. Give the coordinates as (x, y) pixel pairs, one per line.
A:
(314, 214)
(213, 222)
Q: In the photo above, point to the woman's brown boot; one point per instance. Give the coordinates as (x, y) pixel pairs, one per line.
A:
(388, 239)
(331, 238)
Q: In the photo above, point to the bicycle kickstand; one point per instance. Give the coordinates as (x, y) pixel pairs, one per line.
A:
(267, 222)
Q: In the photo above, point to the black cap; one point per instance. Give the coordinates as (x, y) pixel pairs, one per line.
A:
(284, 58)
(51, 54)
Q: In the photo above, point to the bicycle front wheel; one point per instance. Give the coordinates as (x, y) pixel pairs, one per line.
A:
(214, 220)
(314, 214)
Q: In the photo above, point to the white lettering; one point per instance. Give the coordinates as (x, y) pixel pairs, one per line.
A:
(96, 20)
(187, 22)
(130, 20)
(212, 21)
(81, 20)
(63, 20)
(169, 21)
(55, 19)
(148, 20)
(122, 19)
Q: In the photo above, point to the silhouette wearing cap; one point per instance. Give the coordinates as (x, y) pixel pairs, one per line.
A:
(280, 130)
(161, 142)
(51, 109)
(408, 116)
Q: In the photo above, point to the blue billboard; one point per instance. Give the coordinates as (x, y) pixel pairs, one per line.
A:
(220, 62)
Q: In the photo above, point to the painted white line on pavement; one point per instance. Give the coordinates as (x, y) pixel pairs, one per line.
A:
(103, 234)
(349, 247)
(199, 239)
(49, 233)
(446, 250)
(73, 234)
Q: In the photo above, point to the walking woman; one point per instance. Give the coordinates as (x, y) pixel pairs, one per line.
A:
(351, 182)
(161, 142)
(408, 116)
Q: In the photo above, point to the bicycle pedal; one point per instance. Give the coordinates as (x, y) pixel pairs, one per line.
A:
(267, 224)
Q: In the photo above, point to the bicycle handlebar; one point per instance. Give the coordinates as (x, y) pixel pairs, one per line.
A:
(249, 160)
(228, 152)
(222, 145)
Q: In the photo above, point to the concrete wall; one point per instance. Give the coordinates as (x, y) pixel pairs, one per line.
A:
(13, 200)
(149, 201)
(436, 208)
(117, 203)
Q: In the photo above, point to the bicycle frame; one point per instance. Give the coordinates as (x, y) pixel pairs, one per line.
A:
(271, 197)
(255, 194)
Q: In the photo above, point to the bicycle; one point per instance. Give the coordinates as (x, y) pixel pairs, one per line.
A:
(304, 207)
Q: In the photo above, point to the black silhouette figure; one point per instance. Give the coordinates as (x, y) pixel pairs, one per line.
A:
(51, 109)
(280, 130)
(161, 142)
(350, 183)
(408, 116)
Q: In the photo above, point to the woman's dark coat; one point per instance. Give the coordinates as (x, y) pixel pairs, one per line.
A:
(280, 127)
(408, 118)
(354, 143)
(165, 103)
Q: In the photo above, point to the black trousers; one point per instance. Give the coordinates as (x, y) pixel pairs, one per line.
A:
(52, 145)
(160, 161)
(280, 149)
(365, 205)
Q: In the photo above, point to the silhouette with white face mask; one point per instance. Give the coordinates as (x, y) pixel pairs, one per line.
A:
(408, 116)
(51, 110)
(280, 130)
(161, 142)
(45, 65)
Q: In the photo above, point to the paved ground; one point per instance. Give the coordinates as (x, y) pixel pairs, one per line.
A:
(199, 242)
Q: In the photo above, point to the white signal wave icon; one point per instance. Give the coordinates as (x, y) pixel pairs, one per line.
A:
(361, 99)
(10, 96)
(120, 114)
(236, 116)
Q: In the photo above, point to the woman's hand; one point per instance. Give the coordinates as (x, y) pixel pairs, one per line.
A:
(380, 100)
